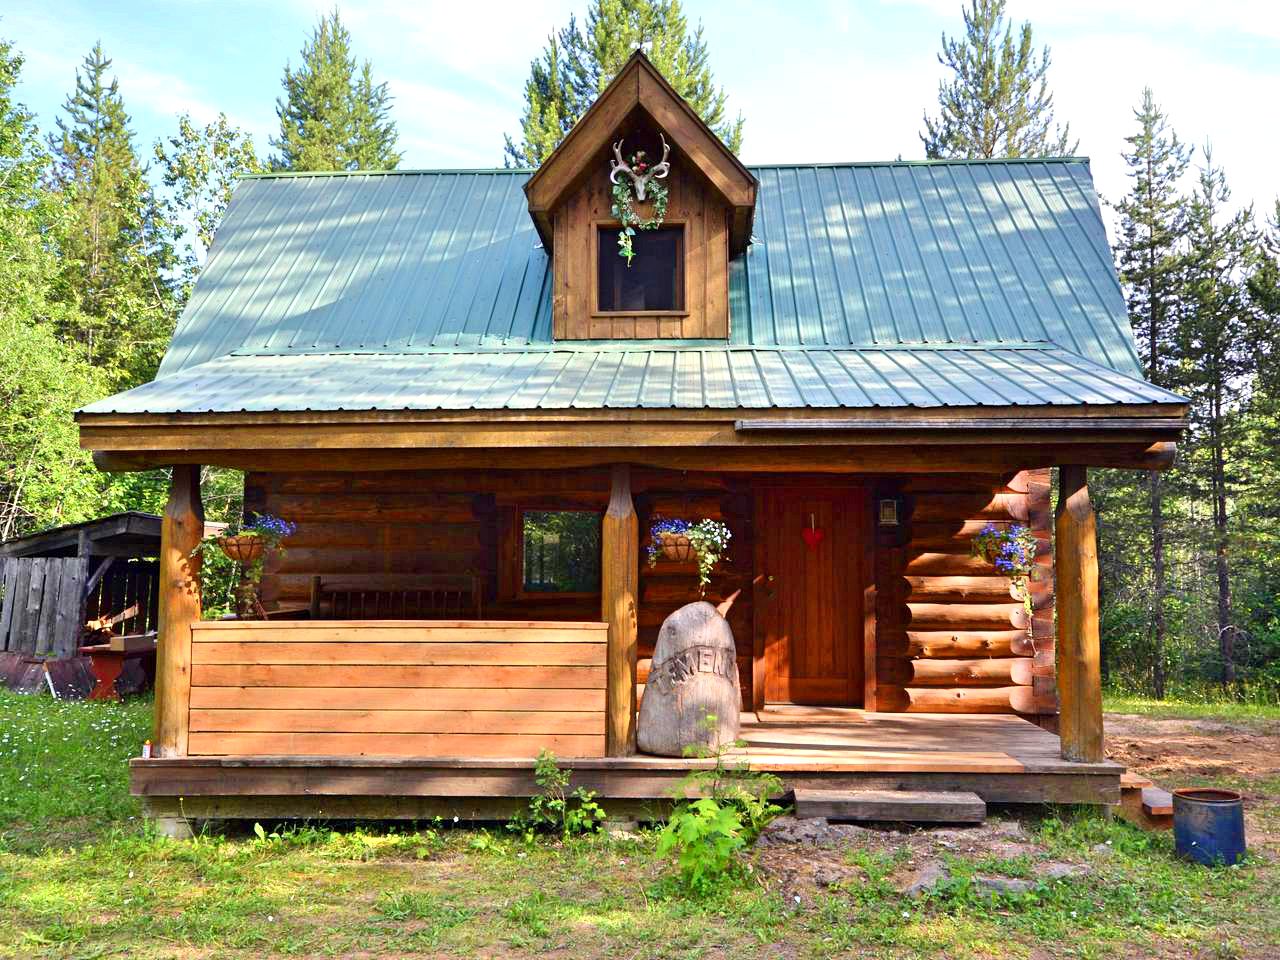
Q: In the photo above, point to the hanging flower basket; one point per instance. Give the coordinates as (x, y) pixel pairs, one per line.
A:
(675, 547)
(707, 541)
(242, 548)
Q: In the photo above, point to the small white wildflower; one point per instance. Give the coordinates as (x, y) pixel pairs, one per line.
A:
(270, 918)
(455, 818)
(906, 915)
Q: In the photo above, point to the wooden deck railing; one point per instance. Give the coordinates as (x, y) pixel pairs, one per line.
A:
(395, 688)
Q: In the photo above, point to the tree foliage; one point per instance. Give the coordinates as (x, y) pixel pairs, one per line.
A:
(578, 63)
(333, 116)
(1188, 575)
(996, 102)
(201, 166)
(44, 476)
(116, 249)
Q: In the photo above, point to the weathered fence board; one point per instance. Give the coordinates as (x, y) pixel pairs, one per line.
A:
(41, 605)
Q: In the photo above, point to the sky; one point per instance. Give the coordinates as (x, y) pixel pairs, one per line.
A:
(816, 81)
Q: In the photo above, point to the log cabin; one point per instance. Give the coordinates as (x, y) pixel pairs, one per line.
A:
(453, 384)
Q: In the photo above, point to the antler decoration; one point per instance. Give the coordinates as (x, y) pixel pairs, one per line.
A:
(641, 173)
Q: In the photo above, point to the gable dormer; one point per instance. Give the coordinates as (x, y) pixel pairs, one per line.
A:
(677, 284)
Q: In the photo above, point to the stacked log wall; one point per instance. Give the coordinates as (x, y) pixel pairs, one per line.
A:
(437, 522)
(953, 634)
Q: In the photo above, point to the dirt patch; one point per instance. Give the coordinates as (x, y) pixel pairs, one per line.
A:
(1186, 749)
(802, 857)
(1189, 752)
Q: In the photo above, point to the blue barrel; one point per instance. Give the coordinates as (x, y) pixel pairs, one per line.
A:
(1208, 825)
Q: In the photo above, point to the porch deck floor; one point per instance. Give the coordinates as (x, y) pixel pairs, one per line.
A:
(1003, 759)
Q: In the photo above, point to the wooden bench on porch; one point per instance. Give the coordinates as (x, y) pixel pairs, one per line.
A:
(396, 596)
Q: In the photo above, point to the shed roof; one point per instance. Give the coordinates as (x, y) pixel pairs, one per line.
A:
(897, 284)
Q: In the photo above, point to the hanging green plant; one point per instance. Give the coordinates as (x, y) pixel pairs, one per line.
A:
(641, 184)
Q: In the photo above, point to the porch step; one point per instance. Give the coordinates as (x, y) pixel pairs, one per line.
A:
(1157, 802)
(1144, 804)
(910, 806)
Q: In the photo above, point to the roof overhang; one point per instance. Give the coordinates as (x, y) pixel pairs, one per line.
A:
(639, 85)
(871, 441)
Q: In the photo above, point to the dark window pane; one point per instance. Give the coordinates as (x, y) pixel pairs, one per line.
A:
(561, 551)
(655, 279)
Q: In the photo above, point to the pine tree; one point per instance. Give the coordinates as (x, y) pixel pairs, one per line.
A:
(333, 116)
(998, 103)
(201, 166)
(579, 62)
(551, 105)
(117, 252)
(1151, 222)
(1220, 360)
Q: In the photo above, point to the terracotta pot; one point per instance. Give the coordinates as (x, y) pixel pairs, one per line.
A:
(676, 546)
(243, 549)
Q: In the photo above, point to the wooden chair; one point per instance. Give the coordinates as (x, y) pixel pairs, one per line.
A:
(396, 596)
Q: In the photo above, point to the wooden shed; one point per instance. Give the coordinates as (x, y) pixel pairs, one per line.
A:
(53, 581)
(449, 380)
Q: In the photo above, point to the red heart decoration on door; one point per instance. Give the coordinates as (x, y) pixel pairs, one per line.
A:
(812, 537)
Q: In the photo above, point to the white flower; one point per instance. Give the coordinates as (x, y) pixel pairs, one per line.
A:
(906, 915)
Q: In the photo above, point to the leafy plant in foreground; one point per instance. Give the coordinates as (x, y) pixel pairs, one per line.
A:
(557, 809)
(709, 833)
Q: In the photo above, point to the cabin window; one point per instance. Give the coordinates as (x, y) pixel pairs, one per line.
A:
(655, 280)
(560, 551)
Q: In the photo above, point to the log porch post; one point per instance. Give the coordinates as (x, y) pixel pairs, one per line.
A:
(1079, 674)
(619, 585)
(180, 531)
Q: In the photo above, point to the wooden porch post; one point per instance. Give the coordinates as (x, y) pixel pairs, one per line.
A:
(619, 584)
(180, 531)
(1079, 673)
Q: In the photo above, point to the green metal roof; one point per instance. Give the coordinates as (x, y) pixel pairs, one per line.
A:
(588, 376)
(856, 275)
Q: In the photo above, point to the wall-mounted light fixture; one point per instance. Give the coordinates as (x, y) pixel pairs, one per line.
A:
(888, 512)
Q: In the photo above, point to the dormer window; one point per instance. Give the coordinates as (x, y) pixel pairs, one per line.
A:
(653, 283)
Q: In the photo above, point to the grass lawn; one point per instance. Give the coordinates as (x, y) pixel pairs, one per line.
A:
(81, 876)
(1226, 710)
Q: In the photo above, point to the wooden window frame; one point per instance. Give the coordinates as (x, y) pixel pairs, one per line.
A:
(597, 226)
(520, 592)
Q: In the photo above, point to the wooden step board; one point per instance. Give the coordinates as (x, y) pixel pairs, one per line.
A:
(1144, 804)
(1157, 802)
(909, 806)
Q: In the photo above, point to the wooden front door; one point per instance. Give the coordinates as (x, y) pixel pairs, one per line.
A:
(809, 593)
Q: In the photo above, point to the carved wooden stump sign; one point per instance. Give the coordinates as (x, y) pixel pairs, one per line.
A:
(694, 675)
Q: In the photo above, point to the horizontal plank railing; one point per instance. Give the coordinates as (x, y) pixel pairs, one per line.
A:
(397, 688)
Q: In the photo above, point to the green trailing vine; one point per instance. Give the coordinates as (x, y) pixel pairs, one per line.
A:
(624, 210)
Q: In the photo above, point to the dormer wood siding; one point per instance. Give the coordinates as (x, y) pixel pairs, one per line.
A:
(693, 207)
(711, 199)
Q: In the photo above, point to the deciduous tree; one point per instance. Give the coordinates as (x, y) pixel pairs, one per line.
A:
(201, 166)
